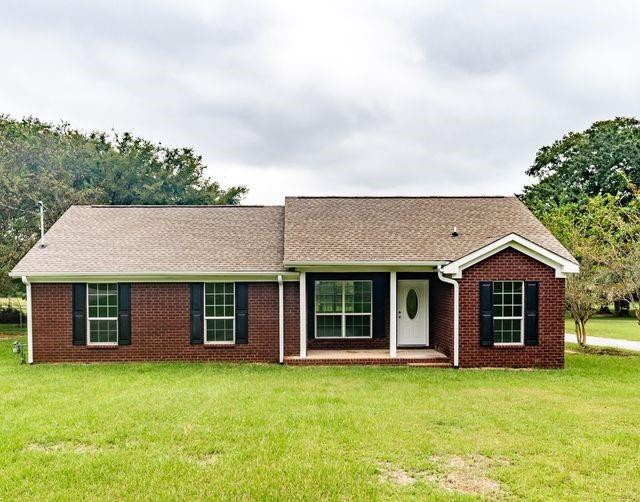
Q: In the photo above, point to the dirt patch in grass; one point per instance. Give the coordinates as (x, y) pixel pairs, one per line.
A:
(393, 474)
(208, 459)
(461, 474)
(605, 351)
(466, 474)
(78, 448)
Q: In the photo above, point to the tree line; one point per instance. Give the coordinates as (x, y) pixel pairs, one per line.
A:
(61, 166)
(587, 194)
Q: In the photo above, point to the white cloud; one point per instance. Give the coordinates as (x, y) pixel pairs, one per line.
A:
(329, 97)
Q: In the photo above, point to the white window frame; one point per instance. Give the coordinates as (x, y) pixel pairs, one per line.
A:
(89, 318)
(207, 318)
(343, 314)
(512, 318)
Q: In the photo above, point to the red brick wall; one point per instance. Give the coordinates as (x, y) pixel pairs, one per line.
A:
(441, 316)
(512, 265)
(160, 326)
(292, 319)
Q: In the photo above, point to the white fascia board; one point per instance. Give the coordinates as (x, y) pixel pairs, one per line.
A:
(561, 265)
(158, 276)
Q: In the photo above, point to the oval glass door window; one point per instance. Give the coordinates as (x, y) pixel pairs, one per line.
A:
(412, 303)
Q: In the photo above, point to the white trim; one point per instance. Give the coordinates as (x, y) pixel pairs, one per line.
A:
(456, 316)
(561, 265)
(204, 304)
(393, 314)
(343, 314)
(29, 321)
(280, 320)
(89, 319)
(512, 318)
(97, 277)
(303, 314)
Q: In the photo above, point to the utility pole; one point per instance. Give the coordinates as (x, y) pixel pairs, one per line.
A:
(41, 205)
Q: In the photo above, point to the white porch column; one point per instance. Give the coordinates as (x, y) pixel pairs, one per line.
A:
(280, 320)
(29, 321)
(393, 315)
(303, 314)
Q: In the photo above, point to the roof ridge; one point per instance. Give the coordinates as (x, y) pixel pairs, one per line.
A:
(401, 197)
(163, 206)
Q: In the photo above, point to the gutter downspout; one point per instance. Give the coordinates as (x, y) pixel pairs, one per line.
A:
(280, 319)
(456, 317)
(29, 323)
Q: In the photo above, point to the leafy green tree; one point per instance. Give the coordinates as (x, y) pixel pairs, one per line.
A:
(62, 166)
(600, 160)
(603, 233)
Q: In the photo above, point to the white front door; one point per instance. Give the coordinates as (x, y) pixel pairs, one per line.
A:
(413, 313)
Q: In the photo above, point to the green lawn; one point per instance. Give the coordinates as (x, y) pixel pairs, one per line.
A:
(193, 431)
(12, 329)
(626, 328)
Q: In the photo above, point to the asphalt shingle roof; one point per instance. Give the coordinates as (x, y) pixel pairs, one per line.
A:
(209, 239)
(404, 228)
(148, 239)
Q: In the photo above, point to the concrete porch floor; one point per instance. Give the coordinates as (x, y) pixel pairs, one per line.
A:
(410, 357)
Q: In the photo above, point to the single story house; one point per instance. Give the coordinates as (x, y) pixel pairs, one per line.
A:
(447, 281)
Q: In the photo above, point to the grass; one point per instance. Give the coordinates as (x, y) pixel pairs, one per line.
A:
(12, 329)
(625, 328)
(198, 431)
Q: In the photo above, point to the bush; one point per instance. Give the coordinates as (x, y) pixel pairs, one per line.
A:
(11, 315)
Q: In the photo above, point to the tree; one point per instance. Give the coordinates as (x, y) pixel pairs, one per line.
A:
(603, 233)
(62, 166)
(584, 292)
(598, 161)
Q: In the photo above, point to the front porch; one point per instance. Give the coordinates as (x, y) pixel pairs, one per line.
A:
(389, 318)
(403, 357)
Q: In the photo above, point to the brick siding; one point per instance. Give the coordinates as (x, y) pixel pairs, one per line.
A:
(441, 316)
(160, 322)
(160, 326)
(504, 266)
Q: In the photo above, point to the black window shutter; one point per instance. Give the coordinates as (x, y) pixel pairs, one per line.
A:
(531, 313)
(311, 307)
(242, 312)
(196, 313)
(486, 314)
(380, 293)
(124, 314)
(79, 314)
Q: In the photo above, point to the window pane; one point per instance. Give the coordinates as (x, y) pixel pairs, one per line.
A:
(103, 302)
(357, 297)
(328, 326)
(219, 302)
(358, 325)
(507, 331)
(219, 330)
(328, 297)
(103, 331)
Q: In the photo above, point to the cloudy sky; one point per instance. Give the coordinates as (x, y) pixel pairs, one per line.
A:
(293, 97)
